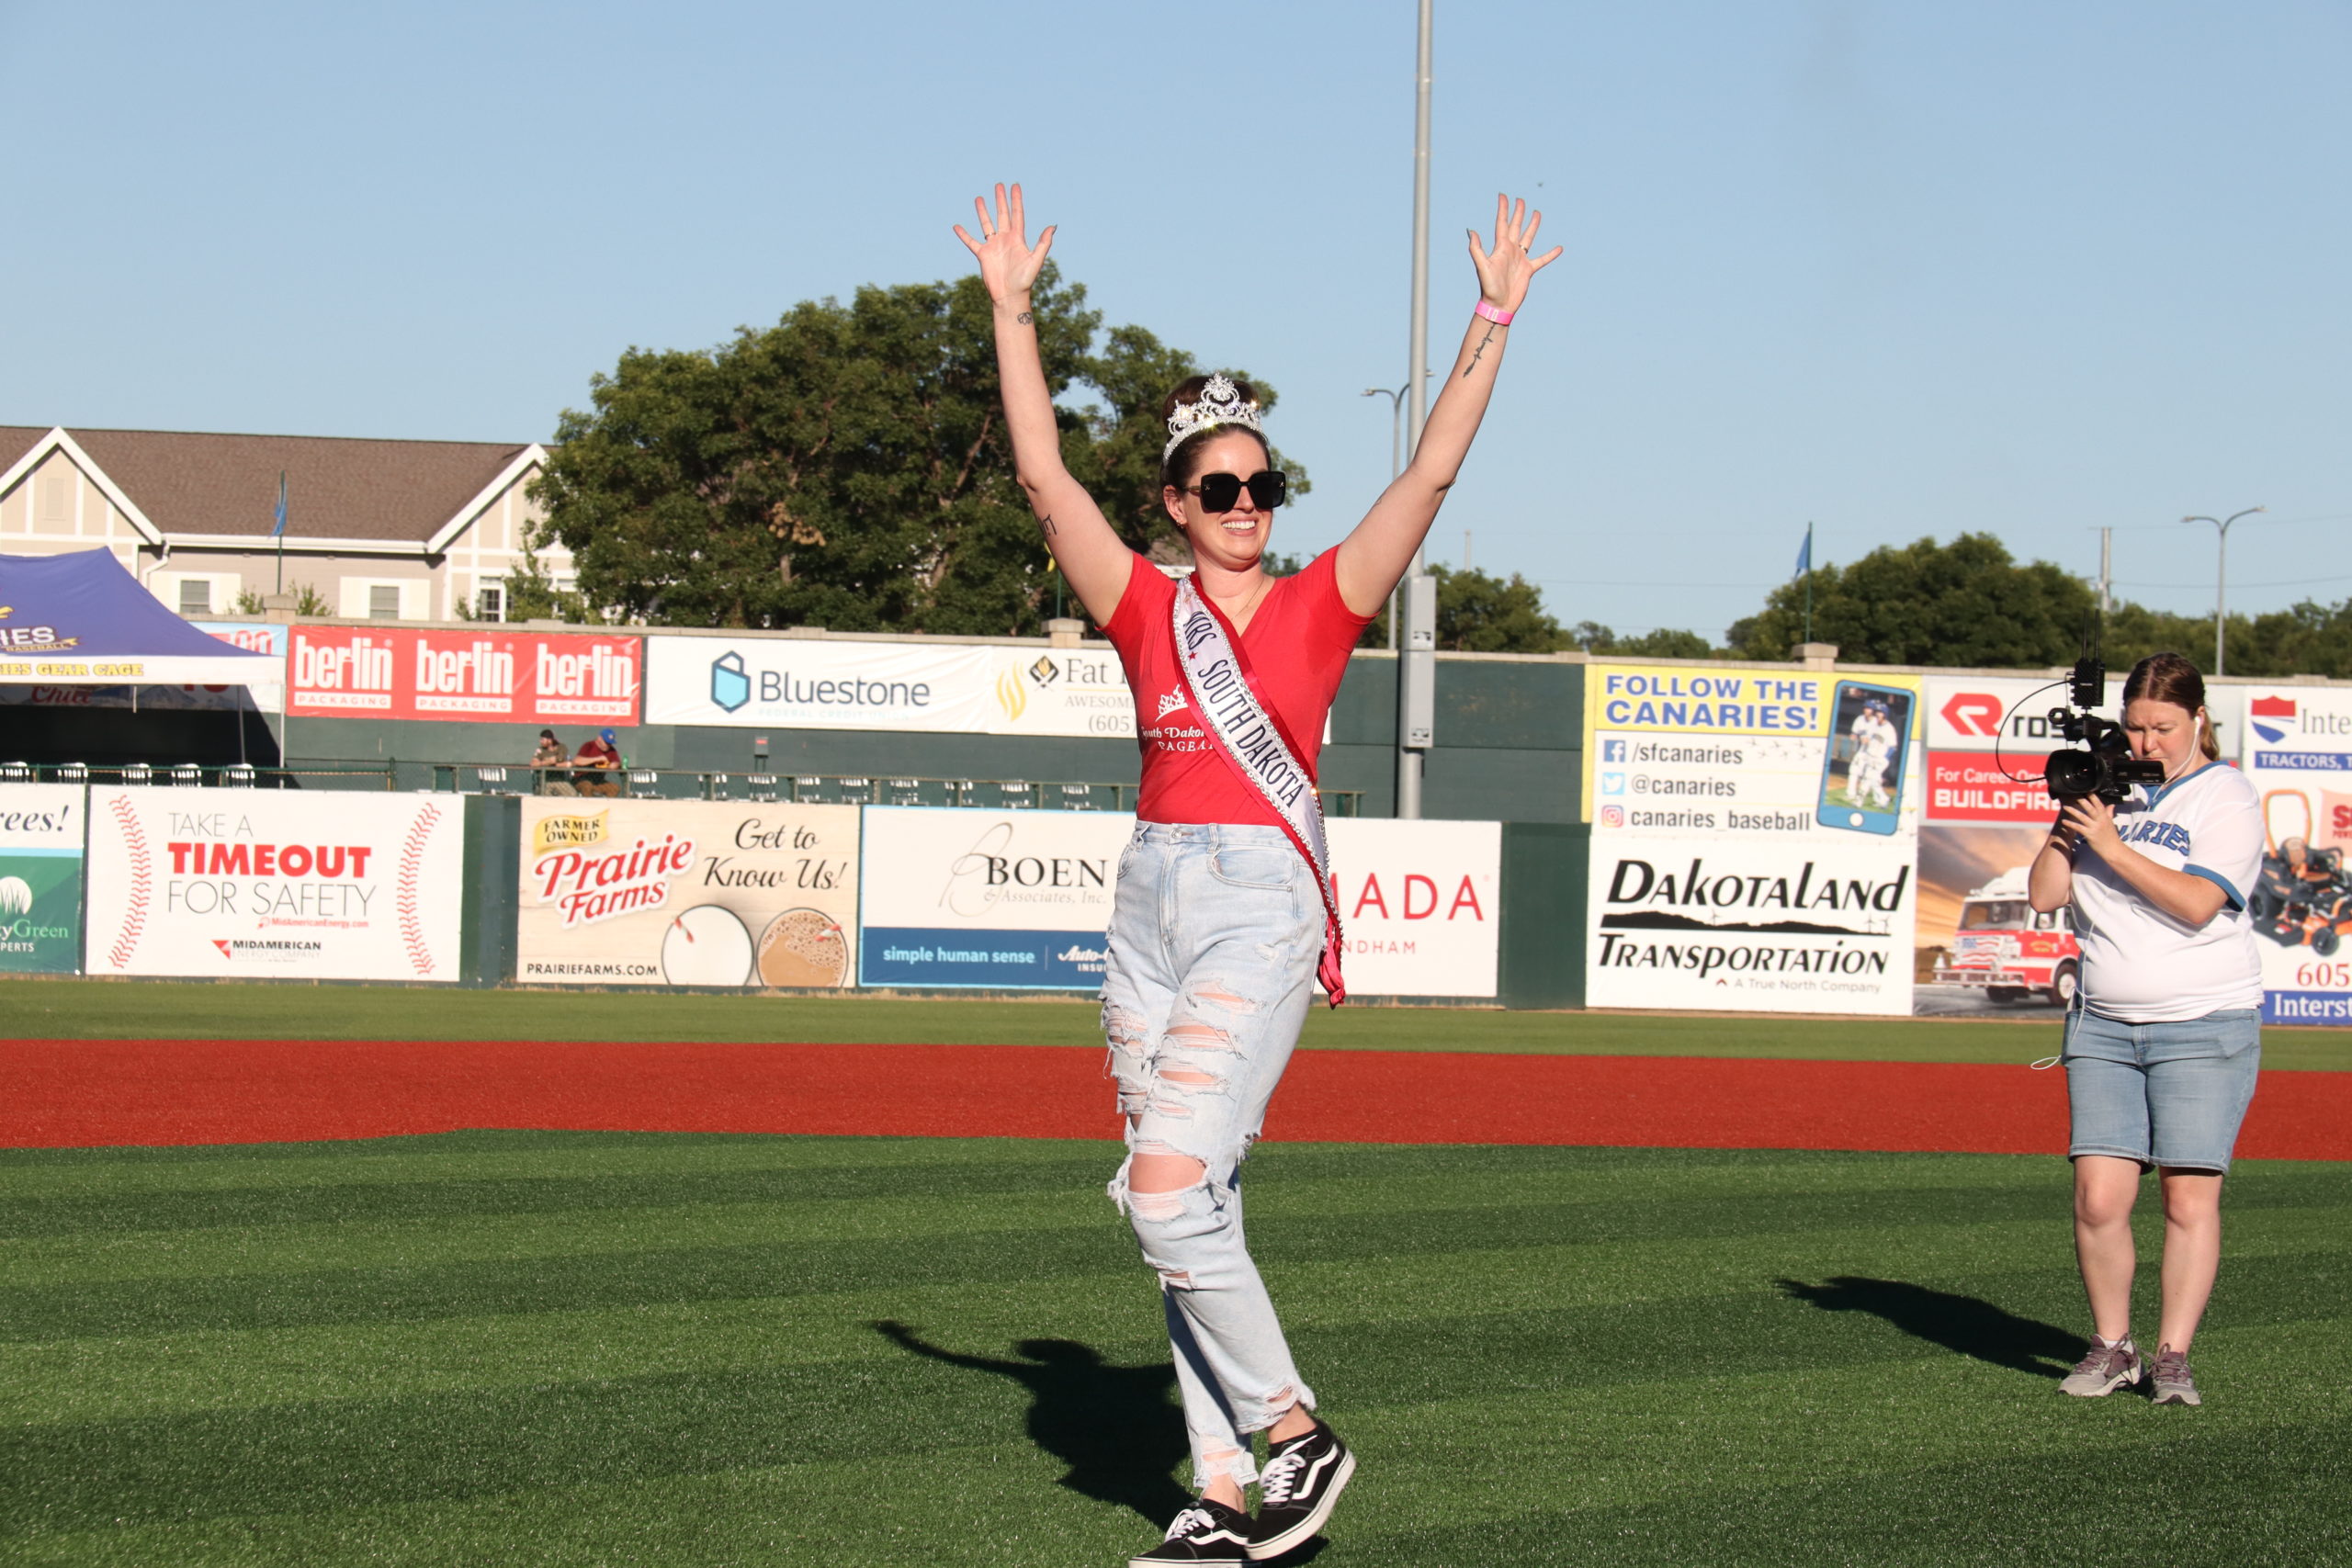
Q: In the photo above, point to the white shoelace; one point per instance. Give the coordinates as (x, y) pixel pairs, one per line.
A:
(1189, 1520)
(1281, 1474)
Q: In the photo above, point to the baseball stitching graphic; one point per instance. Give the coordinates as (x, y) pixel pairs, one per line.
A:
(412, 848)
(142, 881)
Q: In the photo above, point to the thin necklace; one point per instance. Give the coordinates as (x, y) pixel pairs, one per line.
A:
(1250, 603)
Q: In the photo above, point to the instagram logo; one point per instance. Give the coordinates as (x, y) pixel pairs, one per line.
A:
(1613, 816)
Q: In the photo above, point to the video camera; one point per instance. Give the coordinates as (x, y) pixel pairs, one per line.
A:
(2103, 765)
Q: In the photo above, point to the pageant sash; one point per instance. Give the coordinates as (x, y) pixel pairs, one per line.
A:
(1253, 743)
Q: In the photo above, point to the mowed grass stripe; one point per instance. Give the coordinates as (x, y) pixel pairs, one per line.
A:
(62, 1238)
(2281, 1273)
(471, 1442)
(86, 1009)
(1525, 1341)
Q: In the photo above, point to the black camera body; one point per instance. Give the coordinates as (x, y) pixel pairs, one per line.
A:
(2101, 763)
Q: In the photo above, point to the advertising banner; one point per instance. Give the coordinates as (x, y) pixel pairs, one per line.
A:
(275, 885)
(1419, 905)
(488, 675)
(758, 895)
(41, 878)
(1981, 947)
(1021, 900)
(265, 691)
(2298, 755)
(797, 683)
(1008, 900)
(1753, 839)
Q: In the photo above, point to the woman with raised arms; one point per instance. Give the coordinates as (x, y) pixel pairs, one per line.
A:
(1222, 916)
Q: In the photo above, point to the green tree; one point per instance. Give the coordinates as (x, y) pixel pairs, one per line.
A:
(1963, 603)
(2309, 639)
(848, 468)
(1480, 613)
(1663, 642)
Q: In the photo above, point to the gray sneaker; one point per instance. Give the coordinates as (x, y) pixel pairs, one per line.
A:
(2108, 1368)
(2174, 1383)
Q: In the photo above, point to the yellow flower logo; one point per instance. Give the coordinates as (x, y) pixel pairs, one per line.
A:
(1009, 696)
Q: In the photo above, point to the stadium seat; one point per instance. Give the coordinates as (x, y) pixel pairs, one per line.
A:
(960, 792)
(491, 781)
(1014, 796)
(186, 773)
(72, 773)
(644, 781)
(906, 791)
(238, 775)
(132, 773)
(759, 787)
(16, 773)
(714, 787)
(1078, 797)
(807, 788)
(855, 792)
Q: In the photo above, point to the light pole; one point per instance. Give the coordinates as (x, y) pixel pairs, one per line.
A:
(2221, 575)
(1416, 648)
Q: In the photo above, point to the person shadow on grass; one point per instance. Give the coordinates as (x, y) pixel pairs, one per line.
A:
(1962, 1324)
(1115, 1427)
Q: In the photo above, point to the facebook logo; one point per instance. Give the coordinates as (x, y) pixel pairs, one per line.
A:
(1612, 750)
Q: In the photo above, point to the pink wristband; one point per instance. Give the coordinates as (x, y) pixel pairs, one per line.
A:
(1487, 312)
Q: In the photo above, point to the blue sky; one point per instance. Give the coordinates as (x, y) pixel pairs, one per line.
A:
(1898, 269)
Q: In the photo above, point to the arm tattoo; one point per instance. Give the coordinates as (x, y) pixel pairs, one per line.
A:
(1047, 525)
(1480, 354)
(1022, 318)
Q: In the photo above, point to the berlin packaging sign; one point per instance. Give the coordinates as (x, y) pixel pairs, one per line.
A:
(486, 676)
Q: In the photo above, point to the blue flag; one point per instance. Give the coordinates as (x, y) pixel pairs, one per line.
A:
(1804, 553)
(278, 532)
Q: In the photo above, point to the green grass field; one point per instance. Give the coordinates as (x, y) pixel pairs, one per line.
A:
(77, 1009)
(604, 1348)
(609, 1349)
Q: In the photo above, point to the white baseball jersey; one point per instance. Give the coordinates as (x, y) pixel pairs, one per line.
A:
(2139, 963)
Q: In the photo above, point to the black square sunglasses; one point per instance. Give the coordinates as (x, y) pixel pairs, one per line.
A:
(1220, 492)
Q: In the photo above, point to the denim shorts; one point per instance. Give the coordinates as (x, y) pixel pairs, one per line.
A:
(2164, 1094)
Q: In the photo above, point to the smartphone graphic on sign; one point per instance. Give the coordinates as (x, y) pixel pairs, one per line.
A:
(1862, 766)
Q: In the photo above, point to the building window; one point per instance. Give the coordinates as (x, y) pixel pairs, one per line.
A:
(196, 596)
(384, 602)
(490, 602)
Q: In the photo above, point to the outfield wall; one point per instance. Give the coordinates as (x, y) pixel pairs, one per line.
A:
(1668, 833)
(486, 890)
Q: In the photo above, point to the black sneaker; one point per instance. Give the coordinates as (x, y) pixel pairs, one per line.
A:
(1204, 1533)
(1301, 1480)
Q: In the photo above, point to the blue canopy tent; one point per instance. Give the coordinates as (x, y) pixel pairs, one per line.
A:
(80, 620)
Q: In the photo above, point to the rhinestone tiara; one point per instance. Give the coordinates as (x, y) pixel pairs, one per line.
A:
(1220, 403)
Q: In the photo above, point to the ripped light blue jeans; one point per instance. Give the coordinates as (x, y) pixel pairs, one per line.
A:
(1214, 938)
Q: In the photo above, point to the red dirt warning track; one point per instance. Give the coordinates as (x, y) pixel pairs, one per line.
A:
(74, 1093)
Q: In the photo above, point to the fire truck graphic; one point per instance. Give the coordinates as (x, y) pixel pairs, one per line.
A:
(2002, 945)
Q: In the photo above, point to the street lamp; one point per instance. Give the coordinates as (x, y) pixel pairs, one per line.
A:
(2221, 575)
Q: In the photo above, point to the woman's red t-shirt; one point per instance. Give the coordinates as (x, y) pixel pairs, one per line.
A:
(1298, 645)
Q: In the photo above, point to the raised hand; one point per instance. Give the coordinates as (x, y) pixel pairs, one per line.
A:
(1007, 264)
(1504, 273)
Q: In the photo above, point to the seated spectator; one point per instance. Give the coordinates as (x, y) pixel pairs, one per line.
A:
(550, 754)
(604, 756)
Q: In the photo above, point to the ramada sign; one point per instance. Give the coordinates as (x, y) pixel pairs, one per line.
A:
(487, 676)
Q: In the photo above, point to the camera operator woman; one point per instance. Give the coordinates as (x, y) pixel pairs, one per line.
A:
(2165, 1038)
